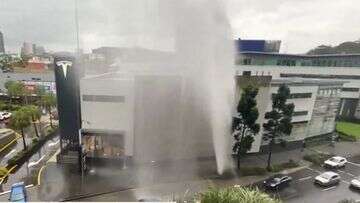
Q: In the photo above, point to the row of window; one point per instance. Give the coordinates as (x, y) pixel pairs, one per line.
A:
(350, 89)
(298, 95)
(103, 98)
(300, 113)
(302, 62)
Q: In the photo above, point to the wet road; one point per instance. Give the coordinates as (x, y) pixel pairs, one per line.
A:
(303, 190)
(27, 171)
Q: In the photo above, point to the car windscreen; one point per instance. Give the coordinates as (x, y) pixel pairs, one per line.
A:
(334, 160)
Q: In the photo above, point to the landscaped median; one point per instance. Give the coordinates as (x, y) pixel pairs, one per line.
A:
(317, 158)
(275, 168)
(348, 131)
(21, 157)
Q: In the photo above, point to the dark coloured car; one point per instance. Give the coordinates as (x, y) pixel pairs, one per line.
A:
(277, 181)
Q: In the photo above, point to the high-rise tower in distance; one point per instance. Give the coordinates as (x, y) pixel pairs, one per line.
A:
(2, 46)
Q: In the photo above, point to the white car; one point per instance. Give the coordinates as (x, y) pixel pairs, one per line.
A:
(335, 162)
(328, 178)
(355, 183)
(6, 115)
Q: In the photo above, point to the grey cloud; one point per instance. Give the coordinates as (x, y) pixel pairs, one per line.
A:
(301, 25)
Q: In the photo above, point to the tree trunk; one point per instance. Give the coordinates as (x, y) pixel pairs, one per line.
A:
(23, 138)
(35, 128)
(51, 124)
(239, 150)
(238, 159)
(268, 167)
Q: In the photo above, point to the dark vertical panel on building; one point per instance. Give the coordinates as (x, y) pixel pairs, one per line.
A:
(68, 99)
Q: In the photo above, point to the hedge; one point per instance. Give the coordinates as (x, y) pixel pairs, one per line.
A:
(317, 158)
(254, 171)
(279, 167)
(347, 137)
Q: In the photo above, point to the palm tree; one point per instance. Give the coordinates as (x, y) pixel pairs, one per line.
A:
(20, 120)
(40, 92)
(15, 89)
(49, 101)
(35, 115)
(8, 85)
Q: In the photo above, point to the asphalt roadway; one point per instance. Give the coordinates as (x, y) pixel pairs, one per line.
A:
(302, 188)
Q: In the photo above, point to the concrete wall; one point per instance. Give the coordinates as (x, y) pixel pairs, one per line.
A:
(112, 117)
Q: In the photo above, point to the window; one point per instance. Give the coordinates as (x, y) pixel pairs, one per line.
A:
(103, 98)
(350, 89)
(298, 95)
(300, 113)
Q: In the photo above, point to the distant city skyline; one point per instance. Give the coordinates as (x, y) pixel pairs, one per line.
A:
(300, 25)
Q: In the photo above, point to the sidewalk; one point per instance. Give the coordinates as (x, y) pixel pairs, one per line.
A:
(61, 182)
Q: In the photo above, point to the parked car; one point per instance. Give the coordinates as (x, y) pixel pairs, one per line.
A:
(6, 115)
(355, 183)
(277, 181)
(327, 178)
(335, 162)
(18, 192)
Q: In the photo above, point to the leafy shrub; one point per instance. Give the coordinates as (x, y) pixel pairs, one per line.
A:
(279, 167)
(252, 171)
(347, 137)
(3, 171)
(235, 194)
(316, 158)
(35, 140)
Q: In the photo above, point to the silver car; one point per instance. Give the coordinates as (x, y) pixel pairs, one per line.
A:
(355, 183)
(328, 178)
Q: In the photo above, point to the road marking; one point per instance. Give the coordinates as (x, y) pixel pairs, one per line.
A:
(349, 174)
(31, 164)
(352, 175)
(313, 170)
(344, 181)
(10, 143)
(330, 188)
(39, 174)
(306, 178)
(355, 164)
(12, 151)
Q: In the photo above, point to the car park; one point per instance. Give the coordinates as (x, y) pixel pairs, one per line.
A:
(327, 178)
(18, 193)
(335, 162)
(277, 181)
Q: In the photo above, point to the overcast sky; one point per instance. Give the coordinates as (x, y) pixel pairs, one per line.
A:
(300, 24)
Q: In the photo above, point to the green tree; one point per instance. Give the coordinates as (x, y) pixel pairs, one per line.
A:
(278, 119)
(15, 89)
(244, 125)
(49, 101)
(35, 115)
(19, 121)
(235, 194)
(7, 85)
(40, 92)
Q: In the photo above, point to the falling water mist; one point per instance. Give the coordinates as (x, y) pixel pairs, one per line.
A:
(196, 35)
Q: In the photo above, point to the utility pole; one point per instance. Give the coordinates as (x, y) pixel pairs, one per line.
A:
(77, 28)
